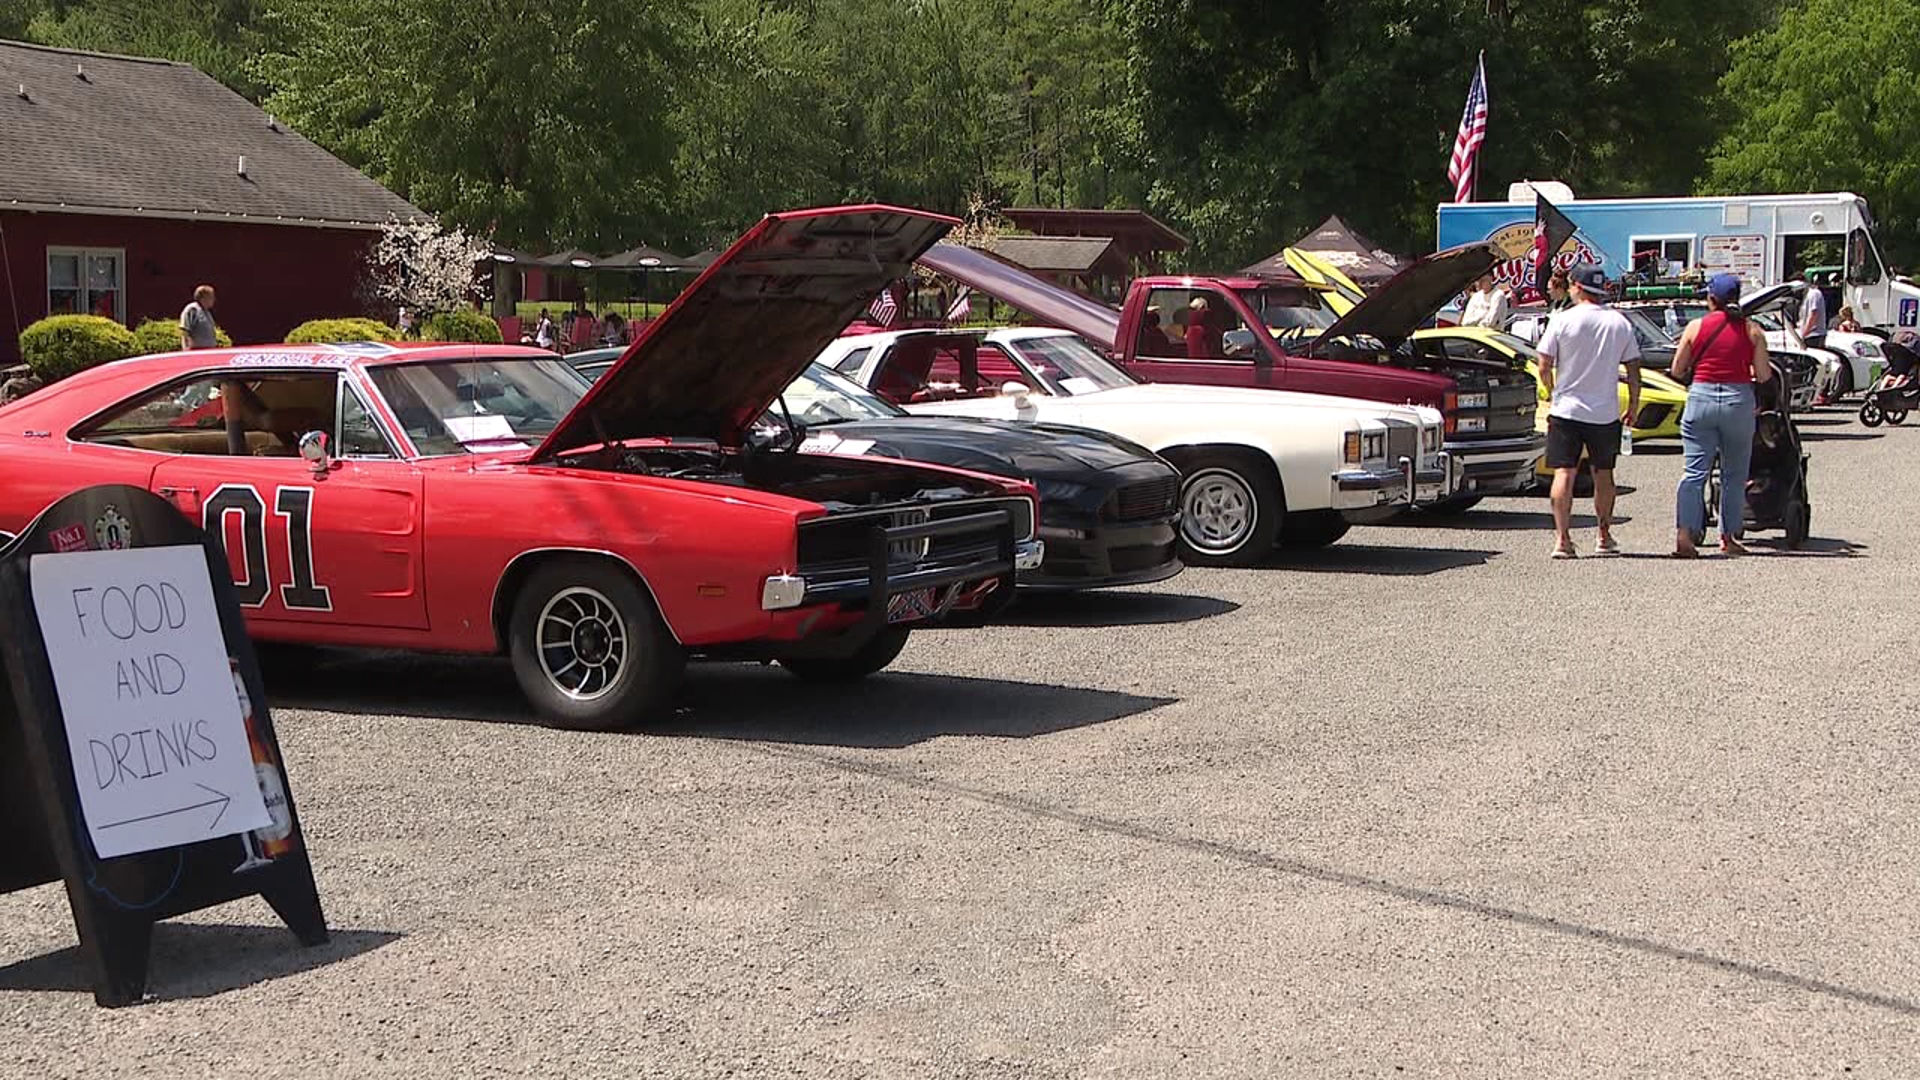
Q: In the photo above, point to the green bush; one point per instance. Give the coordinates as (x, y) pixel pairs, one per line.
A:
(60, 345)
(160, 336)
(327, 331)
(461, 326)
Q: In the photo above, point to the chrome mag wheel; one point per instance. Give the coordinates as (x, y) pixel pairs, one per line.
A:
(1218, 511)
(582, 643)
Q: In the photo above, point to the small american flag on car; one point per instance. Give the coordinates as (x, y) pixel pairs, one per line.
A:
(883, 308)
(962, 306)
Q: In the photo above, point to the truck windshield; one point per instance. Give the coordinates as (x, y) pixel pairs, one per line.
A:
(1289, 308)
(1069, 366)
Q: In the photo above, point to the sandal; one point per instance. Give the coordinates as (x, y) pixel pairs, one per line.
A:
(1607, 546)
(1733, 547)
(1565, 551)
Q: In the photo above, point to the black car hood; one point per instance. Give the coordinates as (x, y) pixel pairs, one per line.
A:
(999, 447)
(1409, 298)
(751, 322)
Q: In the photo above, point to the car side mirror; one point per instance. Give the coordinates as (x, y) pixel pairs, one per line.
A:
(314, 451)
(1018, 391)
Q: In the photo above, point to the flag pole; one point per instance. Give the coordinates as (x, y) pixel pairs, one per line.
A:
(1473, 191)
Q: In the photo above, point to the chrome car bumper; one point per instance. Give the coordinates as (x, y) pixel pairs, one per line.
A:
(1490, 466)
(1366, 495)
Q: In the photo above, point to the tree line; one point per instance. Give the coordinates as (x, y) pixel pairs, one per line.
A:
(605, 123)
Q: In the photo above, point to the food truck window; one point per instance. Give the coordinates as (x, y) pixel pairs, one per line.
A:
(1863, 263)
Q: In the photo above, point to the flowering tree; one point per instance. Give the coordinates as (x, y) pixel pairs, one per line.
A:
(419, 265)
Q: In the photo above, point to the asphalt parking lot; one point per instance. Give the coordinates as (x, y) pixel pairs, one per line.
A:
(1426, 803)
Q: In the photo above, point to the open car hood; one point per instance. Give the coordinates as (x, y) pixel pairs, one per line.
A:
(1773, 298)
(1396, 309)
(751, 322)
(1026, 291)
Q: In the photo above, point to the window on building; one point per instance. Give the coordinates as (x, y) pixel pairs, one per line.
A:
(87, 281)
(1662, 256)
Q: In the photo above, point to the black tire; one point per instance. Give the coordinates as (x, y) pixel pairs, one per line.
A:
(1896, 416)
(612, 666)
(1871, 414)
(1218, 488)
(1310, 530)
(873, 656)
(1455, 504)
(1798, 523)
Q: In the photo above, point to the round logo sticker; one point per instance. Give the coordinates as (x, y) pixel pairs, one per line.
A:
(112, 531)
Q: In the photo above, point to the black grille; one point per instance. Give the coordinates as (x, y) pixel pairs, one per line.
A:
(1145, 500)
(840, 545)
(1129, 560)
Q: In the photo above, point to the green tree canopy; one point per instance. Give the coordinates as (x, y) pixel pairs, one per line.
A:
(1826, 102)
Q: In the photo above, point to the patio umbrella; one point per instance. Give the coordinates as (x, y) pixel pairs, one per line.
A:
(644, 259)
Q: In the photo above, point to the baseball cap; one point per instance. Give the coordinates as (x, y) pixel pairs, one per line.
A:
(1589, 279)
(1724, 287)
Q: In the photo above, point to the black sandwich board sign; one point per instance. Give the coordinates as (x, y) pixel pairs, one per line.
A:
(137, 759)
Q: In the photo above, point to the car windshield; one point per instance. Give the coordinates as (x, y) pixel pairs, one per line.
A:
(1515, 345)
(1650, 333)
(1070, 365)
(821, 397)
(477, 406)
(1289, 308)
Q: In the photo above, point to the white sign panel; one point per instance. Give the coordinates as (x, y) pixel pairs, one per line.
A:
(1742, 255)
(160, 750)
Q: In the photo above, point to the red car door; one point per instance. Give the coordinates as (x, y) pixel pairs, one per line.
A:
(1196, 335)
(340, 545)
(343, 547)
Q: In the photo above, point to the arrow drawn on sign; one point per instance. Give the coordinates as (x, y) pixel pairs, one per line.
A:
(220, 799)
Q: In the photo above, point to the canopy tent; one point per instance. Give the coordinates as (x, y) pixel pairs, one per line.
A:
(1346, 250)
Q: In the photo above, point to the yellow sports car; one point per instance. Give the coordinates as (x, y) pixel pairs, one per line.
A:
(1662, 400)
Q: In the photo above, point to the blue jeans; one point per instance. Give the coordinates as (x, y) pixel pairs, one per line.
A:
(1718, 423)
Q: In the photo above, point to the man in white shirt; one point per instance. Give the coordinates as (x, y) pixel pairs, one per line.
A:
(1813, 313)
(1487, 306)
(1581, 355)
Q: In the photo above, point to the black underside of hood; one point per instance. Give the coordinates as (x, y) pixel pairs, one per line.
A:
(1409, 298)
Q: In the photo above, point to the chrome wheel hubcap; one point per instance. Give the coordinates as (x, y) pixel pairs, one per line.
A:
(582, 643)
(1217, 511)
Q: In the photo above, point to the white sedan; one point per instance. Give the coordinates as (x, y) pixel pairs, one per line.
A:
(1258, 467)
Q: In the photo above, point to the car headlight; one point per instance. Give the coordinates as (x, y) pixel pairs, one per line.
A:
(1430, 440)
(1059, 490)
(1373, 445)
(1866, 349)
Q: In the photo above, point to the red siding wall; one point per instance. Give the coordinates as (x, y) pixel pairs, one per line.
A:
(269, 278)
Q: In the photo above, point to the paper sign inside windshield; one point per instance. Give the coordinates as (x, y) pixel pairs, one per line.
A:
(483, 428)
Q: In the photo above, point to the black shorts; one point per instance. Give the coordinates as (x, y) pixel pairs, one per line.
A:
(1566, 438)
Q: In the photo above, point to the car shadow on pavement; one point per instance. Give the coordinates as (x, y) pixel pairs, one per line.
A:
(890, 710)
(197, 960)
(1386, 560)
(1096, 609)
(718, 700)
(1370, 888)
(1811, 547)
(1840, 436)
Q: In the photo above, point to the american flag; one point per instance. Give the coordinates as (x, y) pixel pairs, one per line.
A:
(962, 306)
(1473, 132)
(883, 307)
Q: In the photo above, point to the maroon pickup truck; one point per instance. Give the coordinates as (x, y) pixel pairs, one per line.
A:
(1276, 332)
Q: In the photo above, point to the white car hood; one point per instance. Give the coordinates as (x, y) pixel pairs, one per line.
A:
(1171, 394)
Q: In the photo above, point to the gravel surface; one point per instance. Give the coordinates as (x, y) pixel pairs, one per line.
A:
(1423, 804)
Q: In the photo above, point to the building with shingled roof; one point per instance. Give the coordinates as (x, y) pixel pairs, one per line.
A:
(125, 182)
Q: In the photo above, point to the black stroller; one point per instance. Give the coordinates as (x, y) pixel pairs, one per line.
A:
(1898, 389)
(1777, 478)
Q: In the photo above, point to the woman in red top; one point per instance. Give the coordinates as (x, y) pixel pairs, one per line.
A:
(1726, 355)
